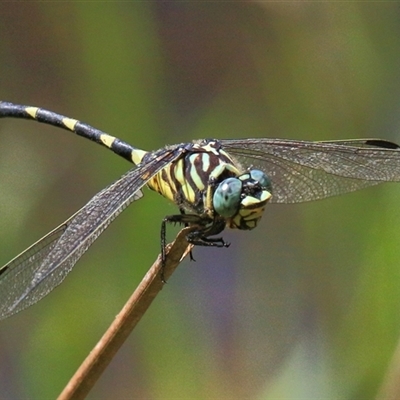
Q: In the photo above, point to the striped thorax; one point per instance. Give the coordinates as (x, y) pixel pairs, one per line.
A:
(208, 182)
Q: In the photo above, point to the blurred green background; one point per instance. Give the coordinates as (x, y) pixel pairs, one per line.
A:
(304, 307)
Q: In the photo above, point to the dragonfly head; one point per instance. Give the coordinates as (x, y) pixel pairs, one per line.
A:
(241, 200)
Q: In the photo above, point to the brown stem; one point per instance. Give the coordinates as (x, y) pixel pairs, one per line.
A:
(102, 354)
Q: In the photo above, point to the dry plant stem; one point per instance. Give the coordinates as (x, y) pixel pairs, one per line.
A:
(390, 389)
(99, 358)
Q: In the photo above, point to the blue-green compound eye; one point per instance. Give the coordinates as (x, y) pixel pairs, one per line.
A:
(262, 179)
(227, 197)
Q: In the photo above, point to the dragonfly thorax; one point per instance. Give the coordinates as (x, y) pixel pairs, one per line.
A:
(208, 182)
(188, 180)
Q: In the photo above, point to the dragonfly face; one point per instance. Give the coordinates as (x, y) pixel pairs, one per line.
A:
(245, 197)
(215, 184)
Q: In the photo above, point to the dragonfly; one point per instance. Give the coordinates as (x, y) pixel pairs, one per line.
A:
(216, 184)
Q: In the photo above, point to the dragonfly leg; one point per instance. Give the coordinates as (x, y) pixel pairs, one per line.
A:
(202, 228)
(182, 211)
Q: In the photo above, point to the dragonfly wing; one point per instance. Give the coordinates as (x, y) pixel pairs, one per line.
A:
(304, 171)
(20, 271)
(43, 266)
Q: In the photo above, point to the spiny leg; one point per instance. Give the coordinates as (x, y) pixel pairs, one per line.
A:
(182, 211)
(175, 219)
(202, 228)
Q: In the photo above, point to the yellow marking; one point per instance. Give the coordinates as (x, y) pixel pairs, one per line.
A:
(208, 147)
(227, 155)
(70, 123)
(187, 190)
(218, 170)
(236, 221)
(266, 195)
(179, 175)
(249, 201)
(166, 190)
(206, 161)
(196, 178)
(231, 168)
(256, 214)
(251, 224)
(137, 155)
(107, 140)
(245, 212)
(208, 202)
(196, 161)
(152, 184)
(189, 193)
(32, 111)
(162, 186)
(244, 177)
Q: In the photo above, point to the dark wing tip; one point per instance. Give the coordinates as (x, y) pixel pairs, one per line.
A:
(384, 144)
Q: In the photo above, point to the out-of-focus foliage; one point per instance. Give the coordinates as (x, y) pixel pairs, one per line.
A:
(307, 305)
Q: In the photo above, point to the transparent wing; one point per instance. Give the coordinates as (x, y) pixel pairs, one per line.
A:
(39, 269)
(304, 171)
